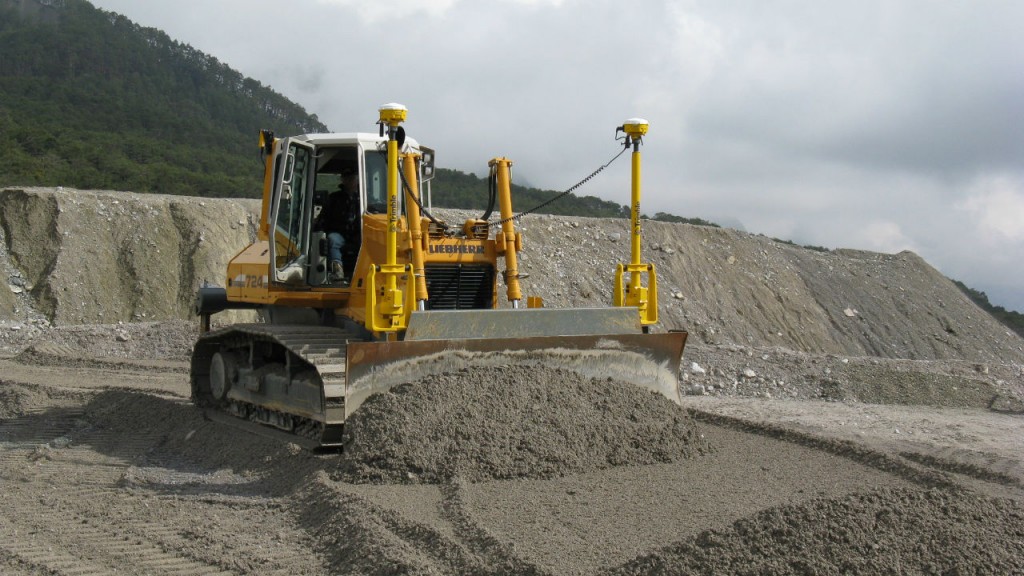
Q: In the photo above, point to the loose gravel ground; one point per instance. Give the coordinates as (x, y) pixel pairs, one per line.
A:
(108, 467)
(847, 412)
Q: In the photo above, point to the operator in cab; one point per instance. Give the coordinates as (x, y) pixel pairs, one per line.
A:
(340, 220)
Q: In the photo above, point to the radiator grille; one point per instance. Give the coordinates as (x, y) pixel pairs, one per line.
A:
(460, 286)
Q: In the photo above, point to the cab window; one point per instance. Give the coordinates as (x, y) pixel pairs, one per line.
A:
(377, 182)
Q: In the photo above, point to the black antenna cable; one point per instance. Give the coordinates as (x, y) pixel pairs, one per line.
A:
(568, 191)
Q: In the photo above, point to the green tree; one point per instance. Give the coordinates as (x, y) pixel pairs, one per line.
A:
(1009, 318)
(91, 100)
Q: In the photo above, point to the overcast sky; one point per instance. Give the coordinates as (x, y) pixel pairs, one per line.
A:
(878, 125)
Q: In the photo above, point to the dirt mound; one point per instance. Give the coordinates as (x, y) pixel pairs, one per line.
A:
(732, 288)
(43, 355)
(18, 399)
(887, 531)
(177, 436)
(60, 345)
(517, 422)
(778, 373)
(15, 400)
(73, 256)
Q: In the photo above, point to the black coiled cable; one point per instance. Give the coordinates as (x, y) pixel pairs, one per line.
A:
(568, 191)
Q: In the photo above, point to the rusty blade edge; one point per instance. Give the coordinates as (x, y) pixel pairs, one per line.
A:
(647, 360)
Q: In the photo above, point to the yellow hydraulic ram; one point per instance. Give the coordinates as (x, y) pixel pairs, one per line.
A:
(635, 294)
(509, 241)
(417, 239)
(387, 306)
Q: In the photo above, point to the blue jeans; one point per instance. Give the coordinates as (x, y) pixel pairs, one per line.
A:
(335, 242)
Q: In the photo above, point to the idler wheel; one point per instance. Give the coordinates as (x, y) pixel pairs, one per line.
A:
(222, 373)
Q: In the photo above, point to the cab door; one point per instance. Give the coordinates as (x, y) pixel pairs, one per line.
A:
(291, 212)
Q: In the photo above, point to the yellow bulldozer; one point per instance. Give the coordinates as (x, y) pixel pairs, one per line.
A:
(406, 294)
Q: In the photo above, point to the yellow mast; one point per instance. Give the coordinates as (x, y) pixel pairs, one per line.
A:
(635, 294)
(386, 307)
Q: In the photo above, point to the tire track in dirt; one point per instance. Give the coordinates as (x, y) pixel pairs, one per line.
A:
(848, 450)
(88, 548)
(498, 557)
(367, 538)
(985, 474)
(60, 462)
(51, 531)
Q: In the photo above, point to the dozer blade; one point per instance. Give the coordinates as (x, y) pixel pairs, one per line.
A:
(603, 343)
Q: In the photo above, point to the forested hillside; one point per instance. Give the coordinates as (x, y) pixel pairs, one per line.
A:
(455, 189)
(1010, 318)
(91, 100)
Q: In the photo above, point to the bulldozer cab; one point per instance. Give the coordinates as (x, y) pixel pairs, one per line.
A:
(308, 172)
